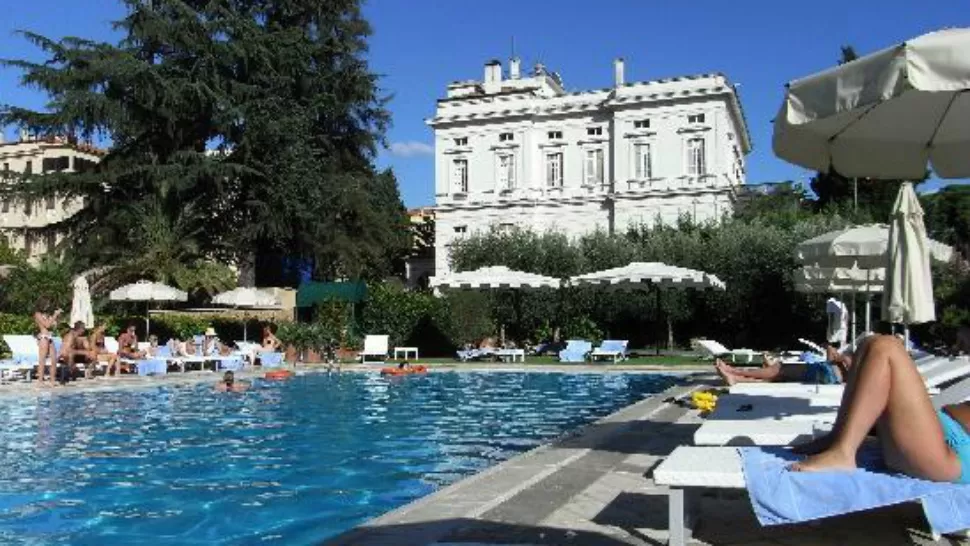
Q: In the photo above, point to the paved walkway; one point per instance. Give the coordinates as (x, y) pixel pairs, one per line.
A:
(595, 489)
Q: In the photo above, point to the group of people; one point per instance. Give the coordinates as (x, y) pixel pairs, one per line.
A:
(82, 351)
(886, 397)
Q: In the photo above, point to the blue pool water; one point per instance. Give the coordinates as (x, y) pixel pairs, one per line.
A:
(286, 463)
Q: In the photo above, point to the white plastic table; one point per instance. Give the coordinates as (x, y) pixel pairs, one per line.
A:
(402, 352)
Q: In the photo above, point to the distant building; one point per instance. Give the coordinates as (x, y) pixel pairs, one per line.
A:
(419, 266)
(21, 223)
(519, 150)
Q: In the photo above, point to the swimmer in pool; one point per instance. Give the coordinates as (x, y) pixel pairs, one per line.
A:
(229, 384)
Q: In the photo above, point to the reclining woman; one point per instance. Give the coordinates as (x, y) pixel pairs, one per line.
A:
(833, 370)
(885, 391)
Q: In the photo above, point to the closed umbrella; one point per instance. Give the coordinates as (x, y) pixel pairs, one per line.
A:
(654, 276)
(908, 295)
(81, 304)
(247, 298)
(147, 291)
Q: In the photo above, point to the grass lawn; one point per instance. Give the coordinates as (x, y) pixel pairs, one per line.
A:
(662, 360)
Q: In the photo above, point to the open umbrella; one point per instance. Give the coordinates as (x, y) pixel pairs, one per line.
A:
(650, 276)
(887, 115)
(81, 304)
(147, 291)
(493, 278)
(247, 298)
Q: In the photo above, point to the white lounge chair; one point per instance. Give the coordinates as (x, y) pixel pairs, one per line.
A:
(23, 359)
(613, 349)
(376, 347)
(712, 349)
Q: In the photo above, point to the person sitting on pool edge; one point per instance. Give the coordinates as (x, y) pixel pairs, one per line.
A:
(833, 370)
(229, 384)
(885, 392)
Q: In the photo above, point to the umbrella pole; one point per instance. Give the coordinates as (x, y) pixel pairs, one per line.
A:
(659, 321)
(868, 313)
(853, 320)
(148, 317)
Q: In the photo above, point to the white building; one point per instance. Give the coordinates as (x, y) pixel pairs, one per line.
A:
(21, 223)
(515, 150)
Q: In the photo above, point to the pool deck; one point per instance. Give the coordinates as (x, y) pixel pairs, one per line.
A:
(595, 488)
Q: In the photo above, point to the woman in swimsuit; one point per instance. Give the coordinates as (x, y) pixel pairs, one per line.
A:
(45, 341)
(103, 354)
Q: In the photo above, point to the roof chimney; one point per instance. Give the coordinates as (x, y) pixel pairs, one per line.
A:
(618, 67)
(493, 71)
(514, 68)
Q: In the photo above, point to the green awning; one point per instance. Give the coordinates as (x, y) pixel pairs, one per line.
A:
(312, 293)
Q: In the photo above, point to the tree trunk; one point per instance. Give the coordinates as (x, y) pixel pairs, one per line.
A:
(247, 270)
(670, 334)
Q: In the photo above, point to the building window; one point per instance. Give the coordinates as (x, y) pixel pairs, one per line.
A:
(461, 230)
(55, 164)
(461, 141)
(506, 171)
(594, 131)
(5, 207)
(554, 170)
(28, 207)
(593, 167)
(506, 137)
(695, 118)
(29, 169)
(554, 135)
(641, 124)
(28, 243)
(50, 241)
(644, 166)
(49, 201)
(6, 171)
(459, 175)
(696, 161)
(505, 227)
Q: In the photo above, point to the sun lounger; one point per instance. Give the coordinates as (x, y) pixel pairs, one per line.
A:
(781, 497)
(510, 354)
(576, 351)
(23, 359)
(712, 349)
(375, 347)
(613, 349)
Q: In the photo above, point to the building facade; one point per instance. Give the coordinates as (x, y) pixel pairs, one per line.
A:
(22, 223)
(520, 151)
(419, 266)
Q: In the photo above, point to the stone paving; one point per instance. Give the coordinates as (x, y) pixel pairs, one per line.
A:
(594, 488)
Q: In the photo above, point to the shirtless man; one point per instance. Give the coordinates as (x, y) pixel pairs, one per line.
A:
(885, 391)
(229, 384)
(45, 341)
(271, 343)
(128, 344)
(76, 349)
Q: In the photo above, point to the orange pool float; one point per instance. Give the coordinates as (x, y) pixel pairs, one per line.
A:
(405, 371)
(278, 375)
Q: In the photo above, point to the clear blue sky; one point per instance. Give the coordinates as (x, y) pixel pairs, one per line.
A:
(419, 46)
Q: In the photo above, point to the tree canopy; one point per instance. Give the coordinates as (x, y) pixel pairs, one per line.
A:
(237, 128)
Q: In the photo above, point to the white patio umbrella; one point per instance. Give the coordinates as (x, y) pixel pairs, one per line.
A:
(908, 297)
(247, 298)
(492, 278)
(81, 304)
(650, 276)
(888, 115)
(147, 291)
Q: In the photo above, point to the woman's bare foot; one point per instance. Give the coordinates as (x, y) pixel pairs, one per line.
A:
(725, 374)
(830, 460)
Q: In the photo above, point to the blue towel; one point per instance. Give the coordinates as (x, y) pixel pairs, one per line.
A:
(779, 496)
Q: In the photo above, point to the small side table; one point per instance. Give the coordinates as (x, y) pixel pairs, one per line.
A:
(403, 352)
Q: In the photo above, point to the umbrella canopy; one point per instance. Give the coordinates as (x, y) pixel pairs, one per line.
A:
(647, 274)
(246, 297)
(857, 248)
(81, 304)
(493, 278)
(891, 114)
(908, 295)
(834, 280)
(147, 291)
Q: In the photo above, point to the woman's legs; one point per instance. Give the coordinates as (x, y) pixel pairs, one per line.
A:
(772, 372)
(44, 348)
(886, 391)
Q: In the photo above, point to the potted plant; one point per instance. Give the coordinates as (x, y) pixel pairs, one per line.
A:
(289, 334)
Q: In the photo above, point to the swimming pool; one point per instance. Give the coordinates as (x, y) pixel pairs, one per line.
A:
(287, 463)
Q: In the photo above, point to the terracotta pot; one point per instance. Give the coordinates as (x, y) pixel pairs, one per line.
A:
(345, 354)
(312, 355)
(291, 355)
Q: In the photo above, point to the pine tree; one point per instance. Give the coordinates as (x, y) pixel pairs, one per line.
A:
(250, 126)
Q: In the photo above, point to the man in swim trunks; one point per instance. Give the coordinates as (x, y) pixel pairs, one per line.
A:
(229, 384)
(75, 350)
(885, 391)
